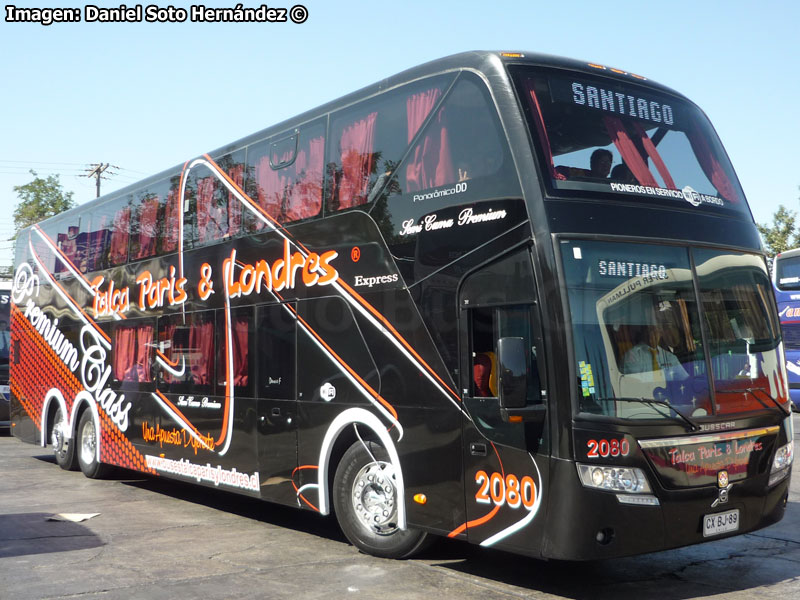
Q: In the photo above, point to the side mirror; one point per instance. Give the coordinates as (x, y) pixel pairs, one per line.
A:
(512, 372)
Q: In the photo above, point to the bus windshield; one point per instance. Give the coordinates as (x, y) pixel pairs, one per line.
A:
(600, 135)
(693, 328)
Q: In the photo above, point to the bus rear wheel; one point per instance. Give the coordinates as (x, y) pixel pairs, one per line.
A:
(63, 444)
(86, 447)
(365, 500)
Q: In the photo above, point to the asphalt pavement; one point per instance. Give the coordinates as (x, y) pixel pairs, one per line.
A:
(154, 539)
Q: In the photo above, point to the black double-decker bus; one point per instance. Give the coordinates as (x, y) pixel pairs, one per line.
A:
(501, 297)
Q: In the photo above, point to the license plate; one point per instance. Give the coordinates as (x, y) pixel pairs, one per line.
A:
(720, 523)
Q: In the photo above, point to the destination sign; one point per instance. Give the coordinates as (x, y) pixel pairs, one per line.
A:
(613, 100)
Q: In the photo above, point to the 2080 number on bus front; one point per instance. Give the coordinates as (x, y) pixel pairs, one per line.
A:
(605, 448)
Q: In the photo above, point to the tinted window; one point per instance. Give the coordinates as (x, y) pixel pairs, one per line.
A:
(241, 344)
(603, 135)
(787, 273)
(133, 346)
(285, 175)
(187, 346)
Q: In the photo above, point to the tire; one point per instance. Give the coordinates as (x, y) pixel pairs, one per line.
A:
(365, 500)
(86, 447)
(63, 447)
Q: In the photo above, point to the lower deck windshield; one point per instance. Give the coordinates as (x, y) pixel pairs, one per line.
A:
(688, 327)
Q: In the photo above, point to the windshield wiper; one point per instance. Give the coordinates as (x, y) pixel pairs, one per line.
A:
(694, 426)
(752, 392)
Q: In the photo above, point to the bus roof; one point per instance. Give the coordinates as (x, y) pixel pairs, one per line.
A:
(489, 62)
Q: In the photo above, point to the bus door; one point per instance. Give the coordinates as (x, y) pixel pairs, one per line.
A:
(277, 400)
(505, 435)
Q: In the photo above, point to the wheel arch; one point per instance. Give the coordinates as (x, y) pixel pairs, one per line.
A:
(54, 400)
(331, 453)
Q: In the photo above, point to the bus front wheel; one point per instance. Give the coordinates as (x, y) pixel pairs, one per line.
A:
(63, 444)
(365, 500)
(86, 447)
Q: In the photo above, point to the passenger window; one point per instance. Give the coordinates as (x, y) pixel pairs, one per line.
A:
(369, 140)
(67, 242)
(133, 354)
(187, 347)
(218, 210)
(461, 142)
(285, 175)
(120, 232)
(241, 341)
(144, 225)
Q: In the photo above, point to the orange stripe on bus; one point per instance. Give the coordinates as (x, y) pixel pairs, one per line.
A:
(165, 359)
(181, 416)
(253, 202)
(476, 523)
(88, 318)
(64, 258)
(402, 340)
(366, 386)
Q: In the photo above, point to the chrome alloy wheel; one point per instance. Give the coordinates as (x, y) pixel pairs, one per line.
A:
(375, 497)
(57, 437)
(88, 448)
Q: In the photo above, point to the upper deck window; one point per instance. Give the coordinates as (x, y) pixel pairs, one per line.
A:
(602, 135)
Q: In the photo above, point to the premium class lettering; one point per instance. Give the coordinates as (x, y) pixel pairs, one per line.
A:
(623, 104)
(52, 335)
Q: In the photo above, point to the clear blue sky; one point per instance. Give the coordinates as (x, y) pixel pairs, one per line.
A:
(146, 97)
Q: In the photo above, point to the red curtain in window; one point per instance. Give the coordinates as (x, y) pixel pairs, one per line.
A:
(201, 346)
(240, 351)
(431, 164)
(236, 173)
(98, 244)
(710, 165)
(357, 145)
(212, 219)
(144, 351)
(628, 151)
(119, 236)
(148, 224)
(172, 214)
(170, 349)
(124, 352)
(652, 152)
(68, 242)
(271, 186)
(305, 198)
(541, 131)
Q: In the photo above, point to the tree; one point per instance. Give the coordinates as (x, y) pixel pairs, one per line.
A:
(38, 200)
(783, 235)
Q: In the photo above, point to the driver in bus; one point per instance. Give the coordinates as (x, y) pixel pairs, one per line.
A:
(650, 355)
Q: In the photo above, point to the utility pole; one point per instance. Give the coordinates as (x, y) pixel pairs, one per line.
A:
(96, 170)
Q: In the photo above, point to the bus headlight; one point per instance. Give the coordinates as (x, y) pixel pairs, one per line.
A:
(614, 479)
(781, 463)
